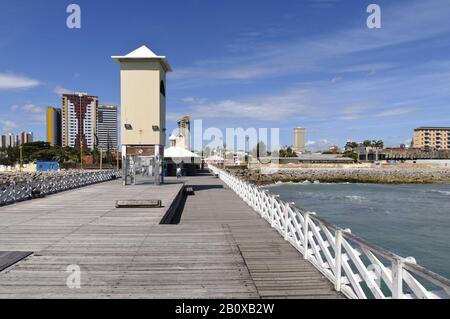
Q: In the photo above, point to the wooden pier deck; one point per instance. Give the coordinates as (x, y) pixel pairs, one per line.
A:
(220, 249)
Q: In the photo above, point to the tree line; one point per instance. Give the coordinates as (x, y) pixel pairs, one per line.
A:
(42, 151)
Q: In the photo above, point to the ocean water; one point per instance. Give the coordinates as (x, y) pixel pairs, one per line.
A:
(409, 220)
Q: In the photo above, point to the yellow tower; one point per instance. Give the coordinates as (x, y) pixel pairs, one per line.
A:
(143, 106)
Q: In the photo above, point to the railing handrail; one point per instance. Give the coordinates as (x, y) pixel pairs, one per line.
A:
(379, 250)
(398, 276)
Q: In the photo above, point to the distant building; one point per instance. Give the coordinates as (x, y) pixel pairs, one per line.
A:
(3, 141)
(368, 153)
(54, 126)
(107, 127)
(299, 140)
(25, 137)
(10, 140)
(79, 120)
(184, 133)
(400, 154)
(13, 140)
(334, 149)
(437, 138)
(315, 159)
(173, 141)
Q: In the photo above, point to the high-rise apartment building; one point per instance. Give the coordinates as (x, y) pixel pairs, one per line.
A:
(9, 140)
(184, 133)
(79, 120)
(432, 137)
(299, 140)
(3, 141)
(107, 128)
(25, 137)
(54, 126)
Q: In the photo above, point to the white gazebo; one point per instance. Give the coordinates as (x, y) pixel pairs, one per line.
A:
(180, 153)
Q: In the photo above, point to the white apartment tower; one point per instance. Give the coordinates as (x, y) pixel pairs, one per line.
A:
(184, 133)
(107, 127)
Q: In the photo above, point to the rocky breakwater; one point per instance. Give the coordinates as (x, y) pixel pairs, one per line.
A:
(15, 178)
(379, 175)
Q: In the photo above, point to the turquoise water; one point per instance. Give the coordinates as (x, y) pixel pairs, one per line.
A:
(409, 220)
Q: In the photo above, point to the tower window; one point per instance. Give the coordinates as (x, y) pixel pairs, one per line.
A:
(162, 88)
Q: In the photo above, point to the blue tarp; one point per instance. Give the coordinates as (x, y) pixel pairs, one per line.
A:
(47, 166)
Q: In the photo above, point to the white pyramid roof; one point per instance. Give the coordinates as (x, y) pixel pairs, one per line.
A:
(178, 152)
(144, 53)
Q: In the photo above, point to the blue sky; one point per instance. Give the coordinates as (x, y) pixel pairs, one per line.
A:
(310, 63)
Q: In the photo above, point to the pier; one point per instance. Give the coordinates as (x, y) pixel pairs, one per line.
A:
(211, 236)
(220, 248)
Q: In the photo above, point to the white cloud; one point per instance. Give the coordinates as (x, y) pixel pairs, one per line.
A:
(192, 100)
(322, 4)
(8, 125)
(370, 68)
(353, 112)
(336, 79)
(14, 107)
(286, 105)
(12, 82)
(173, 116)
(60, 90)
(396, 112)
(31, 108)
(321, 144)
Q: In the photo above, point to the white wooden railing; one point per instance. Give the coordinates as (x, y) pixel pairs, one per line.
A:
(41, 184)
(357, 268)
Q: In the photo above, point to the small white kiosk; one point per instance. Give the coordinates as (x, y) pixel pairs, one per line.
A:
(143, 113)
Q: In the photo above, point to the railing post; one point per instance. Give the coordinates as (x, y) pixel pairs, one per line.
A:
(286, 217)
(305, 235)
(338, 260)
(397, 278)
(272, 211)
(264, 210)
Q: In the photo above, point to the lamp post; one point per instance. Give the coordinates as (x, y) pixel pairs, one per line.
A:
(101, 158)
(81, 153)
(81, 128)
(21, 157)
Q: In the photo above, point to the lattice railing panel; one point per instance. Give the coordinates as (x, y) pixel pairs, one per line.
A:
(50, 183)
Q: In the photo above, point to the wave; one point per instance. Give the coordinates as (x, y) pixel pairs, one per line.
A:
(356, 198)
(436, 191)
